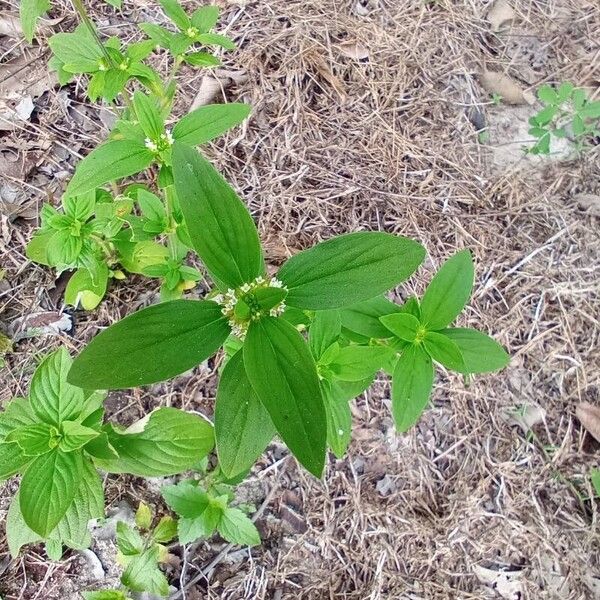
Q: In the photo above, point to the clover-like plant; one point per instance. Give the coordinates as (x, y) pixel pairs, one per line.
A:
(56, 438)
(276, 381)
(567, 113)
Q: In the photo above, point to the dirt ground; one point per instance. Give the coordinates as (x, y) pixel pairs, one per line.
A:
(368, 114)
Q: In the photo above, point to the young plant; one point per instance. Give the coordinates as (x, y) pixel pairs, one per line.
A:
(56, 439)
(567, 113)
(274, 381)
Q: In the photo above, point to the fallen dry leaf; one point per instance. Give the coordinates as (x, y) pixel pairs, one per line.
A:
(526, 416)
(495, 82)
(212, 85)
(507, 584)
(501, 12)
(10, 25)
(354, 50)
(589, 203)
(589, 415)
(39, 324)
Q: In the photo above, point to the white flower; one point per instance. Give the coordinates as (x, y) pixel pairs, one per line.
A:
(152, 146)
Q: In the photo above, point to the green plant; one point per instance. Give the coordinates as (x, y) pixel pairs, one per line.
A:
(56, 438)
(99, 234)
(567, 113)
(274, 382)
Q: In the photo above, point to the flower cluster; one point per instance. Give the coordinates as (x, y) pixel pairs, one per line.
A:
(239, 320)
(163, 143)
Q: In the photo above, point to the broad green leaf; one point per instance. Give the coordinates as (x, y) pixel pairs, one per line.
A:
(142, 573)
(63, 248)
(75, 435)
(325, 329)
(208, 122)
(166, 442)
(448, 292)
(129, 541)
(47, 489)
(174, 11)
(480, 353)
(595, 479)
(30, 11)
(88, 504)
(339, 417)
(151, 206)
(205, 18)
(151, 345)
(237, 528)
(403, 325)
(83, 290)
(34, 439)
(363, 318)
(135, 257)
(80, 207)
(17, 413)
(347, 269)
(109, 162)
(148, 115)
(547, 94)
(165, 530)
(101, 448)
(215, 39)
(201, 59)
(284, 376)
(243, 428)
(443, 350)
(51, 397)
(115, 3)
(37, 248)
(411, 386)
(219, 224)
(355, 363)
(18, 534)
(77, 51)
(12, 459)
(186, 499)
(158, 34)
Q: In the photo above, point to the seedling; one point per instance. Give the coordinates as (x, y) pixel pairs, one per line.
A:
(567, 113)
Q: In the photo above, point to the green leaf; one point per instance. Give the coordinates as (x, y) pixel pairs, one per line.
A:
(142, 573)
(174, 11)
(166, 442)
(284, 376)
(63, 248)
(34, 439)
(403, 325)
(115, 3)
(208, 122)
(443, 350)
(143, 516)
(243, 428)
(448, 292)
(480, 353)
(339, 417)
(237, 528)
(37, 248)
(595, 479)
(325, 329)
(86, 291)
(17, 413)
(148, 115)
(18, 534)
(47, 489)
(109, 162)
(151, 206)
(12, 459)
(564, 91)
(355, 363)
(219, 224)
(411, 386)
(165, 531)
(215, 39)
(80, 207)
(186, 499)
(30, 11)
(101, 448)
(348, 269)
(205, 18)
(154, 344)
(364, 318)
(547, 94)
(104, 595)
(52, 398)
(76, 435)
(158, 34)
(77, 51)
(591, 110)
(129, 541)
(201, 59)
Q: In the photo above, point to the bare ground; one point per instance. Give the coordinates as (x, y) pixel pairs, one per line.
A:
(365, 117)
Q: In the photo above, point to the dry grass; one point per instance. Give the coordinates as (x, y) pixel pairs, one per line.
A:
(340, 143)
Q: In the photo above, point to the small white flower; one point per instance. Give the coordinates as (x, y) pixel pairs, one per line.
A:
(218, 299)
(152, 146)
(246, 287)
(259, 280)
(275, 283)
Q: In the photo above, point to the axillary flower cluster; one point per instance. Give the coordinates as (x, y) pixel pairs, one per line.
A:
(251, 301)
(164, 142)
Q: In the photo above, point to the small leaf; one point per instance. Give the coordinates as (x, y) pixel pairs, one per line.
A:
(12, 460)
(411, 387)
(243, 428)
(30, 11)
(349, 268)
(174, 11)
(48, 487)
(142, 574)
(201, 59)
(75, 435)
(364, 317)
(403, 325)
(339, 417)
(111, 161)
(51, 397)
(480, 353)
(154, 344)
(86, 291)
(186, 499)
(18, 534)
(595, 479)
(220, 226)
(205, 18)
(143, 516)
(547, 94)
(129, 541)
(284, 376)
(34, 439)
(165, 531)
(448, 292)
(443, 350)
(325, 329)
(148, 115)
(237, 528)
(215, 39)
(355, 363)
(208, 122)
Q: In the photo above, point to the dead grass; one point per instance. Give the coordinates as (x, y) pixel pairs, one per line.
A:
(363, 120)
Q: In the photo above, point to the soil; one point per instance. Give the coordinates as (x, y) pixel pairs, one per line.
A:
(367, 115)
